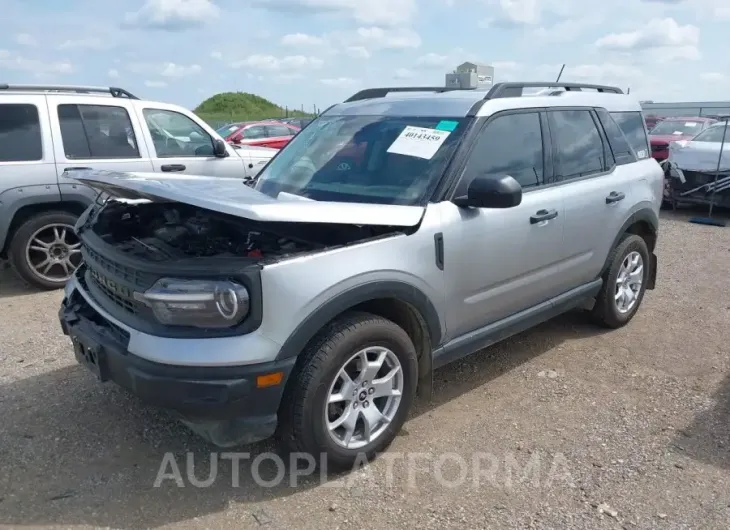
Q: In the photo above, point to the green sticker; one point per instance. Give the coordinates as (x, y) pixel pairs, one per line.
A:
(445, 125)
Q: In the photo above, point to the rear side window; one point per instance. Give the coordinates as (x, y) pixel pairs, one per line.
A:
(96, 132)
(279, 130)
(622, 152)
(20, 133)
(633, 127)
(255, 132)
(578, 142)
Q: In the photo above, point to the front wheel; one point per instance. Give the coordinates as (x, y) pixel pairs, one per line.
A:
(624, 283)
(353, 393)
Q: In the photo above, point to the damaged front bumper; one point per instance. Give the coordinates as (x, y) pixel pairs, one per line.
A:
(228, 405)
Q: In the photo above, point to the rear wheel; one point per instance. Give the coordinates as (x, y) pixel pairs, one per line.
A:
(45, 250)
(353, 393)
(624, 283)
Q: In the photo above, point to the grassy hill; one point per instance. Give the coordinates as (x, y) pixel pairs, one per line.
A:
(227, 107)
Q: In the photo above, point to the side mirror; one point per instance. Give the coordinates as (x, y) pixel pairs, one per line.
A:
(489, 192)
(219, 148)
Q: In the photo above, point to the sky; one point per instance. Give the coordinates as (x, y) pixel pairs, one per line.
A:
(302, 53)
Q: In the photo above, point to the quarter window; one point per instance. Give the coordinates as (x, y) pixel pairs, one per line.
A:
(620, 147)
(20, 133)
(509, 145)
(96, 132)
(633, 126)
(579, 146)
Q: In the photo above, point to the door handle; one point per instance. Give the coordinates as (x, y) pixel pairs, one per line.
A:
(615, 196)
(75, 168)
(543, 215)
(173, 167)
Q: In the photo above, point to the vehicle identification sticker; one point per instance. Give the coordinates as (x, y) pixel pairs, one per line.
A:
(641, 153)
(419, 142)
(690, 124)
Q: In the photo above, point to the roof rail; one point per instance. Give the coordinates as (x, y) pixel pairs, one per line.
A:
(370, 93)
(114, 91)
(515, 89)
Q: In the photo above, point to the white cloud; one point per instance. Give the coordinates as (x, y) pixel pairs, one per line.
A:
(404, 73)
(377, 38)
(657, 33)
(432, 60)
(172, 15)
(302, 39)
(715, 77)
(380, 12)
(271, 63)
(26, 39)
(340, 82)
(357, 52)
(216, 55)
(90, 43)
(178, 70)
(13, 61)
(113, 73)
(155, 84)
(512, 13)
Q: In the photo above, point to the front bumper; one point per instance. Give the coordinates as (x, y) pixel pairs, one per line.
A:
(201, 395)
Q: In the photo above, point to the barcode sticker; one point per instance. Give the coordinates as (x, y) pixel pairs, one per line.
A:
(419, 142)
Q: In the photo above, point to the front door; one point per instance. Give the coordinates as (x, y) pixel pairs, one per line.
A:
(179, 144)
(502, 261)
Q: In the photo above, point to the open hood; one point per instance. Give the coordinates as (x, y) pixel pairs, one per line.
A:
(233, 197)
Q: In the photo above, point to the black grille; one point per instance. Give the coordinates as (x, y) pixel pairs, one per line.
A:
(127, 275)
(130, 306)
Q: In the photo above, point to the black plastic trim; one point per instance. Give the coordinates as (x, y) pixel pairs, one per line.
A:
(328, 311)
(645, 214)
(381, 92)
(481, 338)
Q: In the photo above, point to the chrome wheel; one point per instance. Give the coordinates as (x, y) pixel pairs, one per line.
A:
(364, 397)
(53, 252)
(628, 282)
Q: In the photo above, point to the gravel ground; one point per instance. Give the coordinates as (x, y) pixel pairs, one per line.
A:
(563, 427)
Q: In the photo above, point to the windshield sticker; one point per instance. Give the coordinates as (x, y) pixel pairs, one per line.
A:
(418, 142)
(677, 132)
(690, 124)
(446, 125)
(641, 154)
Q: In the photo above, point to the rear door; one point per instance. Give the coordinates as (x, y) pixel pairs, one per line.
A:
(95, 134)
(181, 144)
(255, 135)
(279, 135)
(596, 177)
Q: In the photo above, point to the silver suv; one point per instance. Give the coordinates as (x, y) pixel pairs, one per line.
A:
(45, 130)
(401, 230)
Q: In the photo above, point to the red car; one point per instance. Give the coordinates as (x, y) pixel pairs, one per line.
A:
(259, 133)
(674, 129)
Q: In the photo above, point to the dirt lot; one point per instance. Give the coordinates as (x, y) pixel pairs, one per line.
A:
(562, 427)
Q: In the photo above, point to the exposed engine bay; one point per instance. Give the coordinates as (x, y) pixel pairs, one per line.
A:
(161, 232)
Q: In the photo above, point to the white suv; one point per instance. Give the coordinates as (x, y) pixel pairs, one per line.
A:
(47, 129)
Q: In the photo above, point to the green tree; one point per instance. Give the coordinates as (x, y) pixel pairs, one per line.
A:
(228, 107)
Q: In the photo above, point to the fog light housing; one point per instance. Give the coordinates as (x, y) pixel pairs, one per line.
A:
(197, 303)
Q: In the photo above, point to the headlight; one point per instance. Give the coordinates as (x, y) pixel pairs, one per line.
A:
(197, 303)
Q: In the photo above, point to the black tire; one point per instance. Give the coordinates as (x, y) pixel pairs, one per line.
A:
(302, 424)
(605, 312)
(20, 240)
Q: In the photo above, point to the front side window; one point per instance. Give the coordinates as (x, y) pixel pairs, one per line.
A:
(96, 132)
(713, 134)
(366, 159)
(175, 135)
(510, 145)
(20, 133)
(579, 146)
(634, 129)
(677, 128)
(279, 130)
(255, 132)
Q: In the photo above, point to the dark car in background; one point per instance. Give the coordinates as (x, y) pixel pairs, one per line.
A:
(674, 129)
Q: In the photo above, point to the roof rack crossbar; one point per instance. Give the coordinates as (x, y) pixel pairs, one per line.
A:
(371, 93)
(515, 89)
(114, 91)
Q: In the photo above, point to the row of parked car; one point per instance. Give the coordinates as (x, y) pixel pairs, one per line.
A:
(267, 133)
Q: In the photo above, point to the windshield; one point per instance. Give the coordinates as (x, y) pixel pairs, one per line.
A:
(677, 128)
(228, 129)
(368, 159)
(713, 134)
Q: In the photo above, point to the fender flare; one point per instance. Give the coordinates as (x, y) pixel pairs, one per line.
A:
(644, 213)
(328, 311)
